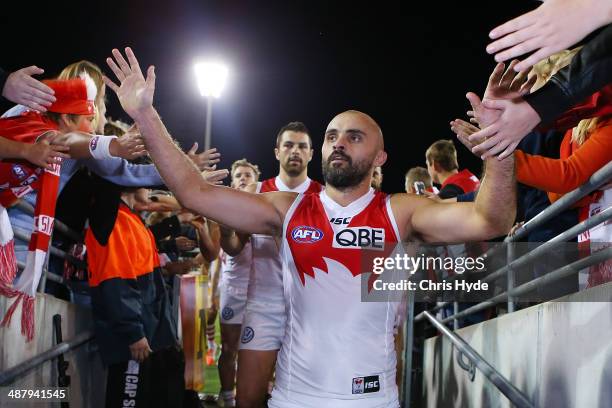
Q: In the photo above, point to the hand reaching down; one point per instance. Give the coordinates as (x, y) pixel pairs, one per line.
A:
(22, 89)
(554, 26)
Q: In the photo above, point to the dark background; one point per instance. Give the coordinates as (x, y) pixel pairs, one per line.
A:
(408, 64)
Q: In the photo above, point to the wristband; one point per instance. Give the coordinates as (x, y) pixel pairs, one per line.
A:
(99, 147)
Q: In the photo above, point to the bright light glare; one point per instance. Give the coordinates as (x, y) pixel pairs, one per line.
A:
(211, 78)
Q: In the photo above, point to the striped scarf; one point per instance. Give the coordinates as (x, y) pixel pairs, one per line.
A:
(16, 180)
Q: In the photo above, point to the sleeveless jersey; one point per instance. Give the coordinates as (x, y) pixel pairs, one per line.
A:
(235, 270)
(336, 347)
(266, 283)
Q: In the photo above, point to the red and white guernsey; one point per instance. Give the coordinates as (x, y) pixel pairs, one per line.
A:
(266, 283)
(338, 351)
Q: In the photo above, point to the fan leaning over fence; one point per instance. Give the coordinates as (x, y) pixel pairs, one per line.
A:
(68, 122)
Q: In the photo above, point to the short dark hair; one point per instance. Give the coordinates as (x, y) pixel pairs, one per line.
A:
(293, 127)
(444, 153)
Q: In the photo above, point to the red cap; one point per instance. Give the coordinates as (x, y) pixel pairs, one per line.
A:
(71, 97)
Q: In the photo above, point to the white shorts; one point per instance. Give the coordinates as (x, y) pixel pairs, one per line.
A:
(263, 327)
(232, 304)
(282, 399)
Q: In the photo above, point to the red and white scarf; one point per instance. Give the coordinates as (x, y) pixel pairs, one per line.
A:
(16, 180)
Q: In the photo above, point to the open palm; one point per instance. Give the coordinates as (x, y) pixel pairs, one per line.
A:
(135, 93)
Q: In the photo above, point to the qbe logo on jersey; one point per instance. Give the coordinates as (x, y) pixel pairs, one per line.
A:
(365, 385)
(360, 238)
(306, 235)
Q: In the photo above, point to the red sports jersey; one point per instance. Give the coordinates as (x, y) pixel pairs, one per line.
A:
(467, 181)
(275, 184)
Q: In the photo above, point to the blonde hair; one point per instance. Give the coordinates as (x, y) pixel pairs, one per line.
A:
(74, 71)
(156, 217)
(245, 163)
(549, 66)
(115, 128)
(418, 174)
(585, 127)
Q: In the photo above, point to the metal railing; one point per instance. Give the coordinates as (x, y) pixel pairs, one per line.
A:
(57, 225)
(61, 227)
(506, 388)
(10, 375)
(597, 180)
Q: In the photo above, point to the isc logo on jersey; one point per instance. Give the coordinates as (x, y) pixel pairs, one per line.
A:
(306, 235)
(365, 385)
(360, 238)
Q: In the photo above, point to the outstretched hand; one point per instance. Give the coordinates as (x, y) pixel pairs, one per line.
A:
(215, 176)
(502, 101)
(503, 84)
(506, 83)
(554, 26)
(207, 160)
(129, 146)
(464, 130)
(135, 93)
(22, 89)
(516, 120)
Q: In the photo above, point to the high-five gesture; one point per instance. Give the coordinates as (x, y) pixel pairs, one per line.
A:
(504, 93)
(135, 93)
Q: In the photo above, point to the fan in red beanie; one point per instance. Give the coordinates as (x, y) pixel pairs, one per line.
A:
(68, 121)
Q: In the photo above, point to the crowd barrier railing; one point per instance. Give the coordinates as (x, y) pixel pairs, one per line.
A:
(597, 180)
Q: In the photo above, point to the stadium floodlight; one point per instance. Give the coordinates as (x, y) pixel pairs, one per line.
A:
(211, 77)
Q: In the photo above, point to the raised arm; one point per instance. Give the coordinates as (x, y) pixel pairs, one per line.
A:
(491, 215)
(237, 209)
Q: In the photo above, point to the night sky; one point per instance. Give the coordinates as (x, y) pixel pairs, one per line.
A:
(408, 64)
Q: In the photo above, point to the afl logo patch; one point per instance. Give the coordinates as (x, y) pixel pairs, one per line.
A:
(247, 335)
(19, 172)
(93, 143)
(227, 313)
(306, 235)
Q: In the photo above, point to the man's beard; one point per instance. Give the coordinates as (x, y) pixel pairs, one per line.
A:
(343, 177)
(293, 170)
